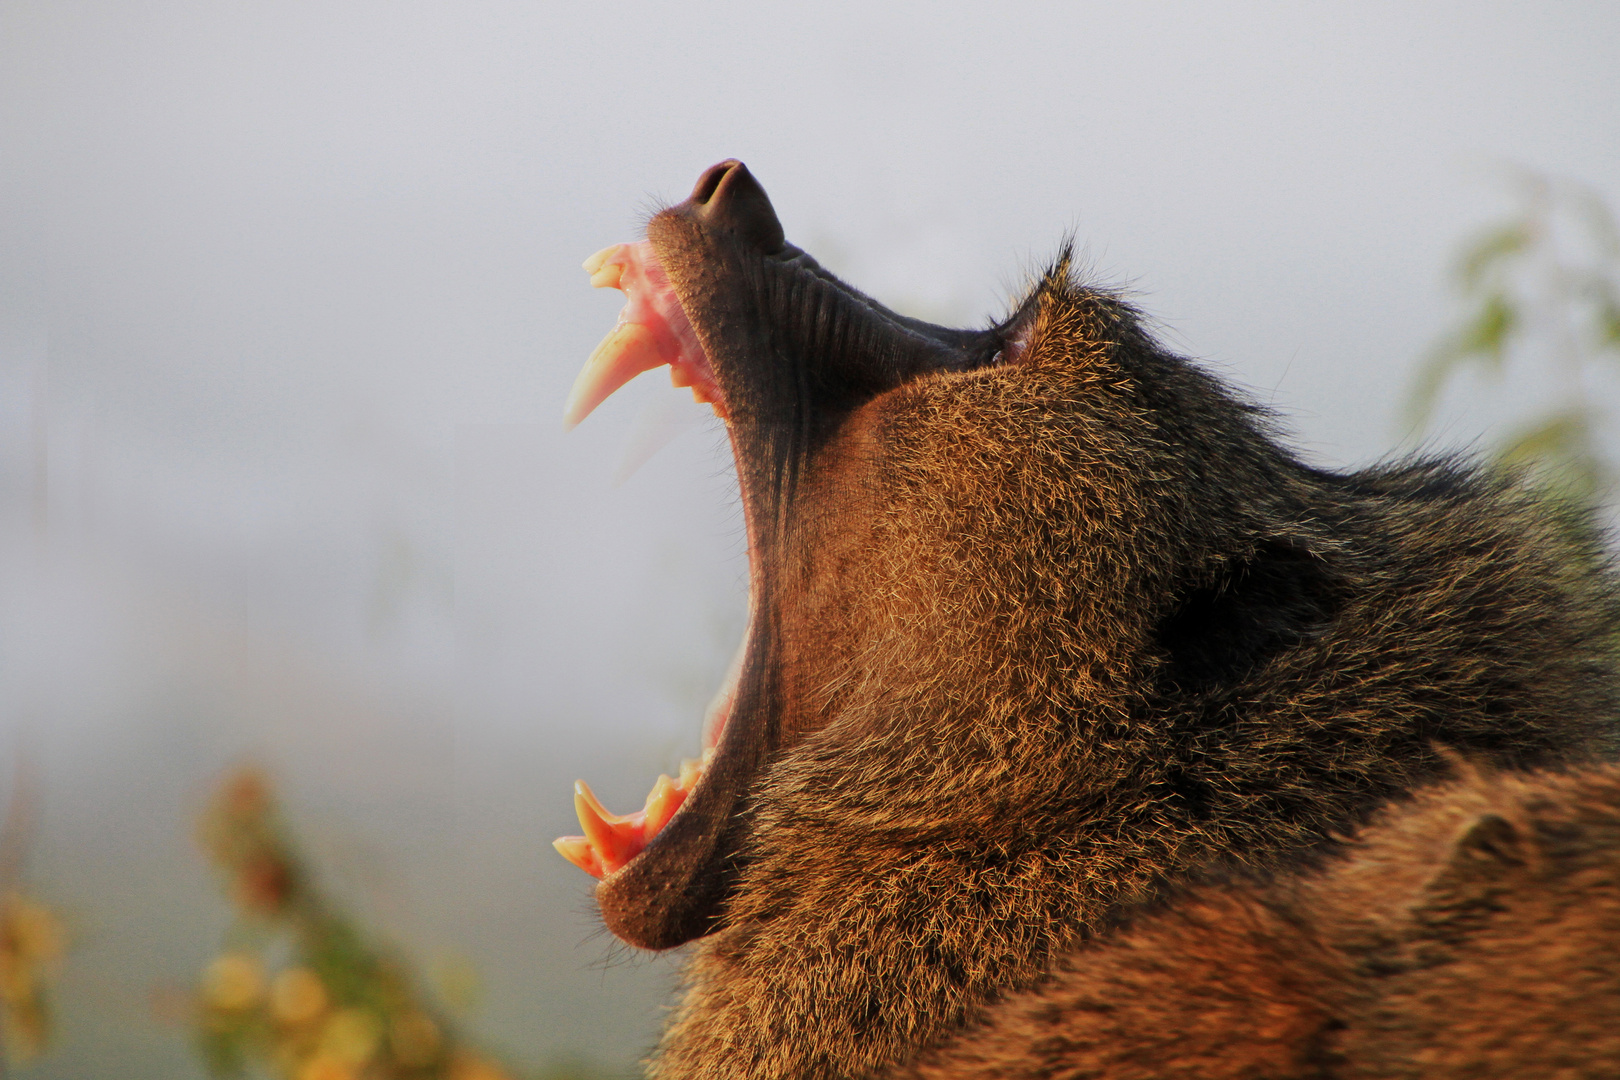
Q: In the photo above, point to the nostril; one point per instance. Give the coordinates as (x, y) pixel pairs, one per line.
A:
(709, 182)
(727, 196)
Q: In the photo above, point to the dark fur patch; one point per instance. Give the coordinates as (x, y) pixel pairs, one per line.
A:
(1220, 633)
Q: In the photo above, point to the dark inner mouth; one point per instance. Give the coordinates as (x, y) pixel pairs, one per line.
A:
(784, 352)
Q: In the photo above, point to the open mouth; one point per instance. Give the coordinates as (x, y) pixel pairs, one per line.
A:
(786, 354)
(652, 332)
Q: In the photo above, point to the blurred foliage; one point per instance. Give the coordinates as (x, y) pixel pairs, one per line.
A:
(299, 991)
(32, 939)
(1540, 286)
(31, 943)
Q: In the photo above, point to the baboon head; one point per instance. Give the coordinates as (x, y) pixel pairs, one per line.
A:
(1041, 617)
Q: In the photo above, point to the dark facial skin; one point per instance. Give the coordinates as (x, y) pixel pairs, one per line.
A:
(1046, 620)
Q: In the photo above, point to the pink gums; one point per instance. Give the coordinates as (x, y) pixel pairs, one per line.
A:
(650, 301)
(652, 331)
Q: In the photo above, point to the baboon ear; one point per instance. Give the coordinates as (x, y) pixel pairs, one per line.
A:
(1490, 848)
(1482, 860)
(1481, 870)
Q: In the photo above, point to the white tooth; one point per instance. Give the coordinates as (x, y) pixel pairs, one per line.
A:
(605, 274)
(595, 262)
(625, 353)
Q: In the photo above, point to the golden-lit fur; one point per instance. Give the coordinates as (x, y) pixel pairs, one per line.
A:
(1473, 934)
(1067, 633)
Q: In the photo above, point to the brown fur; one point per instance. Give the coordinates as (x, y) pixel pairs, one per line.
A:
(1474, 933)
(1057, 633)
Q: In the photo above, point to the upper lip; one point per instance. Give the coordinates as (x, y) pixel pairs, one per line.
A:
(790, 352)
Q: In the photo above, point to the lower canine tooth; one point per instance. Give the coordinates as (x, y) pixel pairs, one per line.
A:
(612, 840)
(616, 838)
(578, 850)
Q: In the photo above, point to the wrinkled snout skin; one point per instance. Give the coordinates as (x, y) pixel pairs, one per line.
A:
(1045, 619)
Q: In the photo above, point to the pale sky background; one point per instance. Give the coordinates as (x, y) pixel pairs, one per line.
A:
(290, 299)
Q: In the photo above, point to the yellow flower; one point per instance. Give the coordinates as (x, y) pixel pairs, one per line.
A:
(234, 982)
(297, 996)
(17, 983)
(351, 1035)
(30, 930)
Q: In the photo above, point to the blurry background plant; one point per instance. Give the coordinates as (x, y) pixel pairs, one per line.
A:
(298, 991)
(30, 945)
(1540, 290)
(31, 936)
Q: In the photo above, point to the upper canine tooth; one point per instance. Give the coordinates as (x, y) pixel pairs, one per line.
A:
(627, 351)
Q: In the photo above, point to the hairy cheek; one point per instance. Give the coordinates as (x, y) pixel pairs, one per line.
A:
(825, 632)
(828, 602)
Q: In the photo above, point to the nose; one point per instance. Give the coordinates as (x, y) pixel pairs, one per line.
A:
(727, 196)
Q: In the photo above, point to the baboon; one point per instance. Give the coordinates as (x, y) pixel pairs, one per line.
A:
(1471, 935)
(1046, 623)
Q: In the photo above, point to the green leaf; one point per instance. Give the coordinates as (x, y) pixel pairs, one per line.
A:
(222, 1052)
(1562, 448)
(1608, 320)
(1486, 334)
(1489, 250)
(1481, 341)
